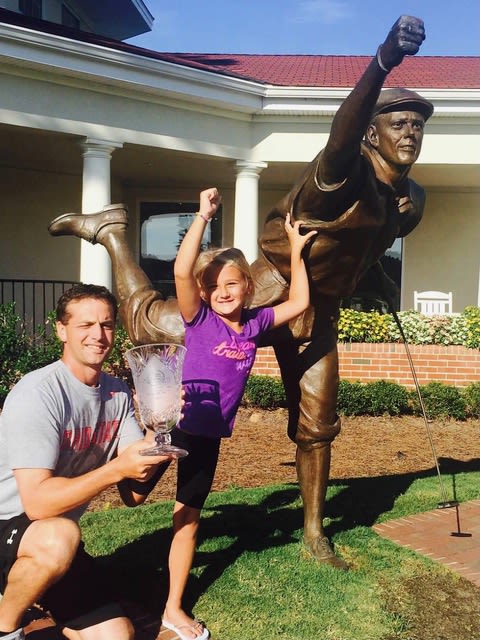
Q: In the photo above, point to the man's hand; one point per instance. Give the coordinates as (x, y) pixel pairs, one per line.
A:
(136, 466)
(404, 39)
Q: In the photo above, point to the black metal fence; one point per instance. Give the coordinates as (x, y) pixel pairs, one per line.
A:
(34, 299)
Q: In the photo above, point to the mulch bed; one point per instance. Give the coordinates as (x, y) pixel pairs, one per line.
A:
(260, 453)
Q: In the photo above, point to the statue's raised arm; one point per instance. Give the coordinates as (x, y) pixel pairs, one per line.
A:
(354, 115)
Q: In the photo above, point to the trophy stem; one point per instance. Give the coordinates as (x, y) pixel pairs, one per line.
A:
(163, 439)
(164, 447)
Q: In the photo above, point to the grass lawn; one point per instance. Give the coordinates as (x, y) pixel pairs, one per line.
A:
(252, 579)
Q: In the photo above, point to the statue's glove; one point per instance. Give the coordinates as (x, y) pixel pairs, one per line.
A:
(404, 39)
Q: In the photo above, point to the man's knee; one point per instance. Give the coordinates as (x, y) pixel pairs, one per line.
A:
(120, 628)
(315, 435)
(52, 541)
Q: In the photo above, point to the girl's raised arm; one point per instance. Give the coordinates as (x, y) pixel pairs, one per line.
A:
(188, 293)
(299, 292)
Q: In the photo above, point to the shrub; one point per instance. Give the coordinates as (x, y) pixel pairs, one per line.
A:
(385, 397)
(472, 317)
(12, 345)
(381, 397)
(440, 400)
(116, 364)
(374, 398)
(471, 395)
(265, 392)
(352, 399)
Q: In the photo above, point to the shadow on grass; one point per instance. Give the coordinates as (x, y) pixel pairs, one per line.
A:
(140, 568)
(362, 500)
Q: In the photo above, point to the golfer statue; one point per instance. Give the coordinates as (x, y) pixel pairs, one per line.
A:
(358, 197)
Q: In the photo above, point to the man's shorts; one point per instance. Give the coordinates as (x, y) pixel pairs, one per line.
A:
(82, 598)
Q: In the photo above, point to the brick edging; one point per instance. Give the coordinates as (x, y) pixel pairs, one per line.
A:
(367, 362)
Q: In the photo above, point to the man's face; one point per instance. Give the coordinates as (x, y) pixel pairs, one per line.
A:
(87, 335)
(397, 137)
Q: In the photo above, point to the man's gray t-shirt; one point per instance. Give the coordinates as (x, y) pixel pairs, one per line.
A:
(51, 420)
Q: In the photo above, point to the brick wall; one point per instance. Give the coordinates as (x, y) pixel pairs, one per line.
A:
(367, 362)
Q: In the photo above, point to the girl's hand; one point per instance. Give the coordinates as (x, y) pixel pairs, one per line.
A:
(210, 200)
(296, 240)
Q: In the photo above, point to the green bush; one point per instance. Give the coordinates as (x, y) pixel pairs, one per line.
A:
(441, 401)
(264, 392)
(472, 318)
(381, 397)
(373, 398)
(116, 364)
(471, 395)
(20, 352)
(385, 397)
(12, 346)
(352, 399)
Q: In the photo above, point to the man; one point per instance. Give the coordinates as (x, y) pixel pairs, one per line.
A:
(67, 432)
(357, 195)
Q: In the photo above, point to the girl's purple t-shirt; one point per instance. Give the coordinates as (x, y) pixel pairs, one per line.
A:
(216, 368)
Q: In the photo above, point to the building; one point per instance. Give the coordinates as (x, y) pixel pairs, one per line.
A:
(86, 119)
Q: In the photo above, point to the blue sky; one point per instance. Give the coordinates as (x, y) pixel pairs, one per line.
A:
(341, 27)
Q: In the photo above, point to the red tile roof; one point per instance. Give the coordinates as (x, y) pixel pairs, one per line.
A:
(436, 72)
(423, 72)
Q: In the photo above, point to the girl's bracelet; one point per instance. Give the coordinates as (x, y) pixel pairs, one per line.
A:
(202, 216)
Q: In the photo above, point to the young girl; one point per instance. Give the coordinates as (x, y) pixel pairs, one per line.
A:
(221, 336)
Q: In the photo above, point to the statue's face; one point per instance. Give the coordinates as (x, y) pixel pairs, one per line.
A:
(397, 136)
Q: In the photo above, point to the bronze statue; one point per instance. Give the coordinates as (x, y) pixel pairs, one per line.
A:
(356, 193)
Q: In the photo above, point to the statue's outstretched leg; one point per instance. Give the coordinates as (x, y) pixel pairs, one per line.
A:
(145, 314)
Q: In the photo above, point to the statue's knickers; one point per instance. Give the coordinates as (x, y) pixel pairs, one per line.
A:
(149, 318)
(317, 436)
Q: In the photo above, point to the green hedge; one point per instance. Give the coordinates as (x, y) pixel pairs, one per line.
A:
(21, 353)
(378, 398)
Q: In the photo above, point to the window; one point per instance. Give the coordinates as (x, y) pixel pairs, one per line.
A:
(367, 296)
(163, 225)
(31, 8)
(69, 19)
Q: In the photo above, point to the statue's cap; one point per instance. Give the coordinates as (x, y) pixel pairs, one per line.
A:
(399, 99)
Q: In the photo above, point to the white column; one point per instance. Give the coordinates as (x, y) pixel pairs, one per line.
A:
(95, 265)
(245, 230)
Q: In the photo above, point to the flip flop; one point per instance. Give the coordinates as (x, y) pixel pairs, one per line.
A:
(196, 626)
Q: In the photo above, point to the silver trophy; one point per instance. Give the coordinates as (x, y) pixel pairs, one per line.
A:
(157, 376)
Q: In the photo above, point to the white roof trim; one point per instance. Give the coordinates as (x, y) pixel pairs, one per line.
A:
(149, 77)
